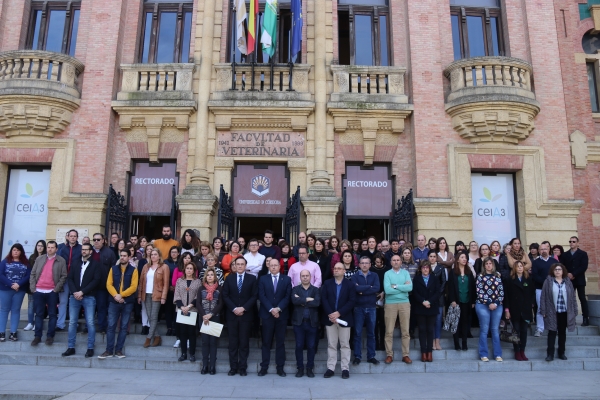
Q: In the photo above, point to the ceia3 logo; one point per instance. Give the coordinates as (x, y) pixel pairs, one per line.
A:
(493, 212)
(260, 185)
(30, 207)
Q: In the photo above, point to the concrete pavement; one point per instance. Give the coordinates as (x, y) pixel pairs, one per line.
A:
(41, 382)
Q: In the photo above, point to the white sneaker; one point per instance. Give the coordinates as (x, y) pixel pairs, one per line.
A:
(29, 327)
(537, 333)
(485, 359)
(499, 359)
(177, 342)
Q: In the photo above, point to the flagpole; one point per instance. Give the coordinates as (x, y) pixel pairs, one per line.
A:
(234, 11)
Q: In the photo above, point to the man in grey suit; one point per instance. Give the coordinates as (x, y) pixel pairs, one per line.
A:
(306, 299)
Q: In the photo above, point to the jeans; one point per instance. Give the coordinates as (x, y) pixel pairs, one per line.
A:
(438, 324)
(426, 325)
(10, 302)
(489, 320)
(63, 301)
(41, 301)
(89, 305)
(30, 310)
(360, 315)
(102, 299)
(539, 320)
(116, 310)
(561, 322)
(305, 334)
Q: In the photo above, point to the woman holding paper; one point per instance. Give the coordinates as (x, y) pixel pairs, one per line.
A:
(210, 296)
(186, 290)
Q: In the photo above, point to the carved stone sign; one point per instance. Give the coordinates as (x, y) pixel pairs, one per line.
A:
(260, 144)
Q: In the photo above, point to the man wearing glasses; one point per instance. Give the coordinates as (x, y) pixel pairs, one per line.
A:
(576, 262)
(106, 258)
(305, 264)
(366, 285)
(254, 259)
(539, 271)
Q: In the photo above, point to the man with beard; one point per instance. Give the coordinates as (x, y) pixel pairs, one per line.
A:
(165, 244)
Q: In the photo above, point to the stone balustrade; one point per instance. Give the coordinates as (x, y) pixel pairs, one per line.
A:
(156, 82)
(38, 92)
(491, 99)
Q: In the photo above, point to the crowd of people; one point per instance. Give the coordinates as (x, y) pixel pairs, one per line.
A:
(321, 287)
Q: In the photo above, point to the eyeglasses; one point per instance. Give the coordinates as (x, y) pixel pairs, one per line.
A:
(572, 241)
(558, 269)
(97, 240)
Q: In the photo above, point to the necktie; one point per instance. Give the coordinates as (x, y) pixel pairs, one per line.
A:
(239, 283)
(275, 284)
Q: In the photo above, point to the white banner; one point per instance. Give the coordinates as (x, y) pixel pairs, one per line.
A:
(494, 216)
(26, 213)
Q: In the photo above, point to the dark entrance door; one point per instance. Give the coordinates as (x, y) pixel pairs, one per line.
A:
(363, 228)
(255, 227)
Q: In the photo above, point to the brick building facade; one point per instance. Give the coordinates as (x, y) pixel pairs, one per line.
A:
(449, 88)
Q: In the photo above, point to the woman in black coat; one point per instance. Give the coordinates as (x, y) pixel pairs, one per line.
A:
(462, 276)
(519, 297)
(426, 295)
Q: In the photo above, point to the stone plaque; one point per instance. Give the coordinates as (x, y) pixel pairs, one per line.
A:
(61, 234)
(322, 234)
(260, 144)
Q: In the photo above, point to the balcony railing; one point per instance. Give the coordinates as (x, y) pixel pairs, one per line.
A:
(368, 80)
(255, 77)
(22, 71)
(489, 75)
(156, 82)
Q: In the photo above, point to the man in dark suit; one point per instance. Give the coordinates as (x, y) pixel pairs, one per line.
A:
(338, 297)
(305, 319)
(84, 278)
(576, 262)
(274, 291)
(240, 292)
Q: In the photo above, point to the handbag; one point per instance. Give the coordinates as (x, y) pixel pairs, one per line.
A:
(509, 334)
(452, 317)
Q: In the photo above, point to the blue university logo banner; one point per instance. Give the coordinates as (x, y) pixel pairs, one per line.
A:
(260, 185)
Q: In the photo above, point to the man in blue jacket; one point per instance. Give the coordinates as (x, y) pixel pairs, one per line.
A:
(366, 284)
(71, 252)
(539, 272)
(338, 298)
(274, 291)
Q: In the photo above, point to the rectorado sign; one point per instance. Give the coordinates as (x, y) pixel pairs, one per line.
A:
(260, 144)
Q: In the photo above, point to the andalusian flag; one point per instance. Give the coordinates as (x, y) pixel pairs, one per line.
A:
(269, 31)
(240, 16)
(252, 25)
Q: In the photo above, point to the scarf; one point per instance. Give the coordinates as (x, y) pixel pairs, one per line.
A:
(517, 256)
(494, 254)
(210, 289)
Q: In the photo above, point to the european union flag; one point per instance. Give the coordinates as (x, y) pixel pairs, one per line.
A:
(296, 27)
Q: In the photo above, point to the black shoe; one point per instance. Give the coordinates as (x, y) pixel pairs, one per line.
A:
(586, 321)
(550, 358)
(145, 330)
(2, 337)
(243, 372)
(169, 332)
(89, 353)
(373, 361)
(183, 357)
(310, 373)
(192, 358)
(345, 374)
(328, 374)
(59, 329)
(300, 373)
(456, 345)
(464, 346)
(322, 334)
(470, 335)
(13, 337)
(204, 370)
(232, 372)
(69, 352)
(562, 356)
(356, 361)
(213, 371)
(262, 372)
(281, 373)
(412, 334)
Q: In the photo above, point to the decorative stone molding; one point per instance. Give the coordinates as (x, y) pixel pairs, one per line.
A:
(595, 11)
(579, 150)
(245, 118)
(38, 92)
(491, 99)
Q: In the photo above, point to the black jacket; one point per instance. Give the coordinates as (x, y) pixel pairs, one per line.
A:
(280, 298)
(92, 278)
(107, 260)
(505, 273)
(440, 273)
(519, 297)
(345, 304)
(576, 264)
(246, 298)
(299, 296)
(453, 294)
(429, 292)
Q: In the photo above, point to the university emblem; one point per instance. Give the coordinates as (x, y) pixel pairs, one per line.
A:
(260, 185)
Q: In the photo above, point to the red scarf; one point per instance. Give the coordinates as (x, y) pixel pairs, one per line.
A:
(210, 289)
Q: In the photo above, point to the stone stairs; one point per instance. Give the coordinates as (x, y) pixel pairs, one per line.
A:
(583, 352)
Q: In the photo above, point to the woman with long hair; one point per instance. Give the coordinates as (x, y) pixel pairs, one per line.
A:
(200, 258)
(172, 261)
(14, 279)
(344, 245)
(473, 253)
(519, 298)
(557, 252)
(190, 242)
(462, 293)
(439, 272)
(229, 258)
(211, 263)
(444, 256)
(426, 293)
(152, 290)
(210, 304)
(333, 245)
(490, 297)
(495, 250)
(348, 262)
(310, 242)
(408, 262)
(141, 247)
(186, 291)
(321, 257)
(40, 249)
(517, 253)
(218, 249)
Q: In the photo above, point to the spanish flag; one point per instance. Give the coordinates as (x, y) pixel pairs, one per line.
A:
(252, 25)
